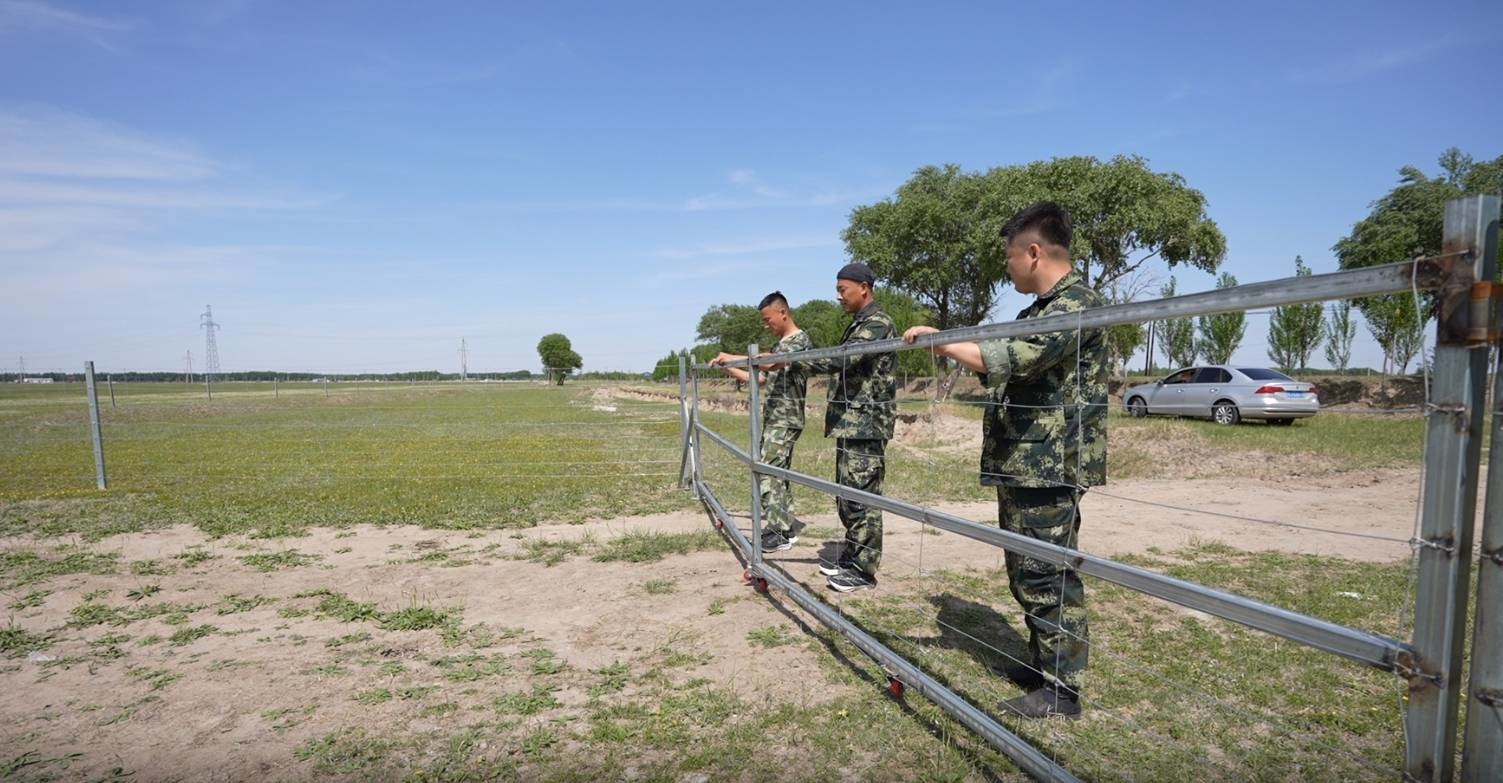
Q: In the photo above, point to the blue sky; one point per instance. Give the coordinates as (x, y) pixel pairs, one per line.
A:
(357, 186)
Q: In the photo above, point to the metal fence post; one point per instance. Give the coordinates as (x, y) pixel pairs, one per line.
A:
(1482, 748)
(109, 380)
(696, 465)
(684, 420)
(275, 392)
(754, 414)
(99, 479)
(1453, 449)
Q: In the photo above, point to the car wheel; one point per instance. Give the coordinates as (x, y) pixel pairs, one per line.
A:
(1136, 408)
(1226, 413)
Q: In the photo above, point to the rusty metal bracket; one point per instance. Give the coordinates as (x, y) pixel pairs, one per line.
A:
(1486, 313)
(1492, 697)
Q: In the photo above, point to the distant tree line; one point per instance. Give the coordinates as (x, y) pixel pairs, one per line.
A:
(270, 375)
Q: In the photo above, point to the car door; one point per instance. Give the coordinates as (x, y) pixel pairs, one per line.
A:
(1201, 393)
(1169, 397)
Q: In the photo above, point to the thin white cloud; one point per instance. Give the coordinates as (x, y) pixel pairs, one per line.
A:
(746, 248)
(51, 143)
(1365, 64)
(28, 14)
(24, 191)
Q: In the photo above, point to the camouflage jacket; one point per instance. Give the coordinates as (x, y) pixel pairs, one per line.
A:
(785, 388)
(863, 392)
(1045, 421)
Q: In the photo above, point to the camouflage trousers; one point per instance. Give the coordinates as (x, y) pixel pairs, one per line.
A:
(1052, 597)
(861, 463)
(777, 496)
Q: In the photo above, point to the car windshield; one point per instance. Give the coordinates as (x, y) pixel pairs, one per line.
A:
(1260, 374)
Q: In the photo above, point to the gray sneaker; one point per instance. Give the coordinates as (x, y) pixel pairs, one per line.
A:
(773, 541)
(850, 580)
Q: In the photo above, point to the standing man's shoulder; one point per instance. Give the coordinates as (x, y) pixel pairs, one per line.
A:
(1073, 294)
(874, 323)
(798, 341)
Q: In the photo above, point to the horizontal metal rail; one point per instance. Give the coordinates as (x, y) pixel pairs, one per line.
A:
(1361, 646)
(1424, 274)
(1027, 757)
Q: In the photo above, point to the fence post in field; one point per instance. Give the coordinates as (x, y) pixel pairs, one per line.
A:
(1482, 748)
(683, 416)
(99, 479)
(696, 467)
(754, 415)
(275, 392)
(1453, 449)
(109, 381)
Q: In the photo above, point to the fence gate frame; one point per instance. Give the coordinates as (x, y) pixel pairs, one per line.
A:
(1467, 324)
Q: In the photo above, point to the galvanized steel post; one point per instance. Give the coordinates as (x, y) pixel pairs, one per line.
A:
(683, 417)
(1453, 449)
(1482, 747)
(99, 479)
(695, 455)
(754, 414)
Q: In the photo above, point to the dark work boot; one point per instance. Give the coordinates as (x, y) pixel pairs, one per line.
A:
(1044, 702)
(1020, 674)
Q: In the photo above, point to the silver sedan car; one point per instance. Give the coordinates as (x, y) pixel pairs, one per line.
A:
(1225, 394)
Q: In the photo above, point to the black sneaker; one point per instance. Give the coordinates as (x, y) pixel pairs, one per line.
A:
(795, 528)
(773, 541)
(850, 580)
(1045, 702)
(840, 563)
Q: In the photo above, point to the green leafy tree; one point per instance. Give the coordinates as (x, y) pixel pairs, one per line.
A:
(558, 357)
(1407, 222)
(822, 320)
(825, 323)
(1338, 331)
(937, 238)
(1126, 215)
(732, 327)
(1220, 334)
(1294, 330)
(906, 312)
(1176, 335)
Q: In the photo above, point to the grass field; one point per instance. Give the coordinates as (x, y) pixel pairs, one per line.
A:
(1173, 695)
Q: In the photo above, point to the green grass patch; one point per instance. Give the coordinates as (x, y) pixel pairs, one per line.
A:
(185, 636)
(16, 641)
(19, 568)
(649, 546)
(437, 455)
(157, 679)
(235, 603)
(529, 702)
(659, 586)
(276, 561)
(30, 600)
(770, 636)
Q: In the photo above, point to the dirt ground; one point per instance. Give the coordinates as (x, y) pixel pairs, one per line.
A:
(241, 707)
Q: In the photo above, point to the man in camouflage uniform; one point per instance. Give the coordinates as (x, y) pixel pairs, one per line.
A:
(1043, 445)
(860, 416)
(782, 420)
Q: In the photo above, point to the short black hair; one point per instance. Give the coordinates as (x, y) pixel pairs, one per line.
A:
(774, 298)
(1049, 220)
